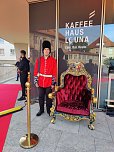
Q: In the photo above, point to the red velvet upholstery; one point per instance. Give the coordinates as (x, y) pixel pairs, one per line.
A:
(74, 98)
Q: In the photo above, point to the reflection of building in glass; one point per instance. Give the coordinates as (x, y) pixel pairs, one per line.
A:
(77, 56)
(108, 53)
(37, 38)
(108, 47)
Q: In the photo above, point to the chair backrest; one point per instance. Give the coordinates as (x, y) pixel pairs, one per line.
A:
(75, 87)
(76, 76)
(75, 84)
(79, 82)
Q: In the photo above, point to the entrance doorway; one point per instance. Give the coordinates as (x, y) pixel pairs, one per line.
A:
(82, 36)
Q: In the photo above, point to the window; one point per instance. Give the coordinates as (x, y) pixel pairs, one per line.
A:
(96, 58)
(44, 38)
(12, 52)
(61, 45)
(53, 44)
(66, 57)
(1, 51)
(110, 51)
(83, 57)
(79, 56)
(90, 57)
(35, 39)
(70, 56)
(75, 56)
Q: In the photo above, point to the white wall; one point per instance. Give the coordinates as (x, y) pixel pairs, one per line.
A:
(7, 54)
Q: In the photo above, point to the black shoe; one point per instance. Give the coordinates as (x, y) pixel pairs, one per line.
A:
(48, 111)
(39, 113)
(21, 98)
(25, 101)
(16, 80)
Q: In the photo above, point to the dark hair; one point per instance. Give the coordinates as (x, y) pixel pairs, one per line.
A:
(90, 60)
(23, 52)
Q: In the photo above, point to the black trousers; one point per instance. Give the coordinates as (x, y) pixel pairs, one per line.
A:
(43, 92)
(17, 76)
(23, 80)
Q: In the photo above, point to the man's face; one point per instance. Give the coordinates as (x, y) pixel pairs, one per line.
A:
(46, 51)
(21, 55)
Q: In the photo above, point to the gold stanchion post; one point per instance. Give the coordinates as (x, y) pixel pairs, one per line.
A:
(29, 140)
(28, 80)
(28, 77)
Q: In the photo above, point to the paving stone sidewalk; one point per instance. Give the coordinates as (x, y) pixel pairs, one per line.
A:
(63, 136)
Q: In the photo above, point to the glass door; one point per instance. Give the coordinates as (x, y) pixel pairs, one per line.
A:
(42, 19)
(107, 60)
(79, 36)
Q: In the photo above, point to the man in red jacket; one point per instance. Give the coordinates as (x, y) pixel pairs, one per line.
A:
(45, 71)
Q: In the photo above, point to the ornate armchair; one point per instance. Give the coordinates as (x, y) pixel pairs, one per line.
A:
(74, 98)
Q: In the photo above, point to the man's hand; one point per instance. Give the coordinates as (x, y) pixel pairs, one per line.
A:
(18, 71)
(36, 84)
(38, 75)
(52, 87)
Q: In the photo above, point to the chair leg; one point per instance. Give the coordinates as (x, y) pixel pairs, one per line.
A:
(91, 121)
(52, 113)
(53, 119)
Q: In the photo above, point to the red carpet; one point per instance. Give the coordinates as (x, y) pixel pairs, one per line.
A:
(8, 96)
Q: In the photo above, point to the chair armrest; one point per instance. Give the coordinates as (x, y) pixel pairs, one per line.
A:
(53, 94)
(86, 93)
(90, 98)
(94, 99)
(57, 88)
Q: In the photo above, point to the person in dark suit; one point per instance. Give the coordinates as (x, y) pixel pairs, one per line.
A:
(62, 64)
(111, 66)
(23, 69)
(90, 68)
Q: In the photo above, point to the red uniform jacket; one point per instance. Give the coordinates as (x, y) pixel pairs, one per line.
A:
(48, 68)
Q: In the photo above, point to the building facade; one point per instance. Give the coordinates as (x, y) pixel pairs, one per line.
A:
(7, 52)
